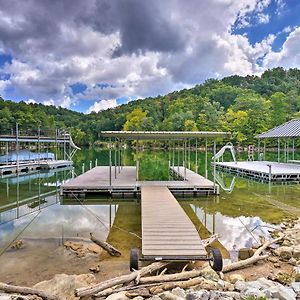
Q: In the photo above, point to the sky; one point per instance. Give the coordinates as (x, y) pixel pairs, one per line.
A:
(96, 54)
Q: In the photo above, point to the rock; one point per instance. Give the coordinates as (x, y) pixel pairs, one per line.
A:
(253, 292)
(233, 278)
(209, 273)
(138, 298)
(117, 296)
(292, 261)
(221, 285)
(297, 274)
(17, 244)
(228, 286)
(245, 253)
(93, 248)
(201, 294)
(273, 259)
(296, 287)
(284, 278)
(169, 296)
(277, 265)
(179, 292)
(265, 283)
(296, 252)
(155, 297)
(63, 285)
(95, 269)
(215, 295)
(284, 252)
(281, 293)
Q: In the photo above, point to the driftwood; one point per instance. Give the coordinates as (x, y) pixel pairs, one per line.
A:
(151, 281)
(26, 291)
(253, 259)
(94, 289)
(106, 246)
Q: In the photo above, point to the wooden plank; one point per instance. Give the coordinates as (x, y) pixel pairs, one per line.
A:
(166, 229)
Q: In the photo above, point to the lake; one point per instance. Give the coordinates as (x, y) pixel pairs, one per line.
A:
(31, 210)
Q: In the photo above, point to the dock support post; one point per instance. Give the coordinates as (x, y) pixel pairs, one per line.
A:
(287, 150)
(278, 150)
(119, 156)
(184, 162)
(270, 172)
(17, 144)
(109, 163)
(258, 151)
(189, 153)
(137, 161)
(205, 157)
(196, 156)
(115, 149)
(178, 150)
(264, 149)
(214, 167)
(293, 150)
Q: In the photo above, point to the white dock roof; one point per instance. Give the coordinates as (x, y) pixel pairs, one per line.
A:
(286, 130)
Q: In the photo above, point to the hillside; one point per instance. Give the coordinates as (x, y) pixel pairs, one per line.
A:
(245, 106)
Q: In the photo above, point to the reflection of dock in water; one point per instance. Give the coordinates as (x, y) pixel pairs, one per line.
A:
(126, 228)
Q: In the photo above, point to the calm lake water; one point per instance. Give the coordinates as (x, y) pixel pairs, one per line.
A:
(32, 210)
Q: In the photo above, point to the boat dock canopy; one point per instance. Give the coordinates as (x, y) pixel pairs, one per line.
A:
(289, 129)
(162, 135)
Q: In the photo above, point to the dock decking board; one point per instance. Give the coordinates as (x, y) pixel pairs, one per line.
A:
(159, 210)
(97, 180)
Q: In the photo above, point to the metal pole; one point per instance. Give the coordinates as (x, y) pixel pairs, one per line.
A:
(17, 144)
(214, 166)
(119, 156)
(278, 150)
(258, 150)
(196, 156)
(115, 159)
(287, 150)
(56, 143)
(189, 152)
(293, 150)
(178, 157)
(205, 157)
(264, 149)
(173, 152)
(109, 158)
(184, 162)
(137, 161)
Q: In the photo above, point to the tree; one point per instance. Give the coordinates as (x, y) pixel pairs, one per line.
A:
(279, 105)
(137, 120)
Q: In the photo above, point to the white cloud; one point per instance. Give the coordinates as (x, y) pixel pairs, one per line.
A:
(263, 18)
(102, 105)
(30, 101)
(289, 56)
(95, 44)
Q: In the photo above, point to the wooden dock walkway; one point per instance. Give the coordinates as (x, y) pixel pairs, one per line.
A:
(263, 170)
(167, 232)
(96, 180)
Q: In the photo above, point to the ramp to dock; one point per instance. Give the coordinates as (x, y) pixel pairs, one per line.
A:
(167, 232)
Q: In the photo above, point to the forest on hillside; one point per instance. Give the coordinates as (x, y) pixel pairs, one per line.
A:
(244, 106)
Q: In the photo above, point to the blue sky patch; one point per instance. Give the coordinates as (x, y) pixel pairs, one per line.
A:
(78, 88)
(5, 58)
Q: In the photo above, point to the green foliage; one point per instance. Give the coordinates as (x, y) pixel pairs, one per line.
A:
(244, 106)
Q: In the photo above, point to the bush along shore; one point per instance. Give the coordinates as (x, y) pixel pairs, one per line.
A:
(280, 256)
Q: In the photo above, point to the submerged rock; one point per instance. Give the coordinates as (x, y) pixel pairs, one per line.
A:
(63, 285)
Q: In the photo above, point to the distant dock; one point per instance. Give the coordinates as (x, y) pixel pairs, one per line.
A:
(262, 170)
(26, 167)
(124, 182)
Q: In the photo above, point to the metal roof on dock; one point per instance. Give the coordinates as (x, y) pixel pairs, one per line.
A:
(286, 130)
(162, 135)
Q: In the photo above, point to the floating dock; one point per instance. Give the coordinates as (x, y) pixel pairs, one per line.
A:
(123, 182)
(262, 170)
(167, 232)
(26, 167)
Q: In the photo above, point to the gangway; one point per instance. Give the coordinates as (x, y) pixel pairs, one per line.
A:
(168, 234)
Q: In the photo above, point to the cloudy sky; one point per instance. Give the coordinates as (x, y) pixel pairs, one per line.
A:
(95, 54)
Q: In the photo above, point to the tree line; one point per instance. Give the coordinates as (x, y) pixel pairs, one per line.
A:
(244, 106)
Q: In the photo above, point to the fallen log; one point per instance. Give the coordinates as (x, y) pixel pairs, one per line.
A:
(106, 246)
(94, 289)
(147, 282)
(253, 259)
(170, 277)
(7, 288)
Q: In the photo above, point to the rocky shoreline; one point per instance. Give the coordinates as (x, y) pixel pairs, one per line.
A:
(278, 284)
